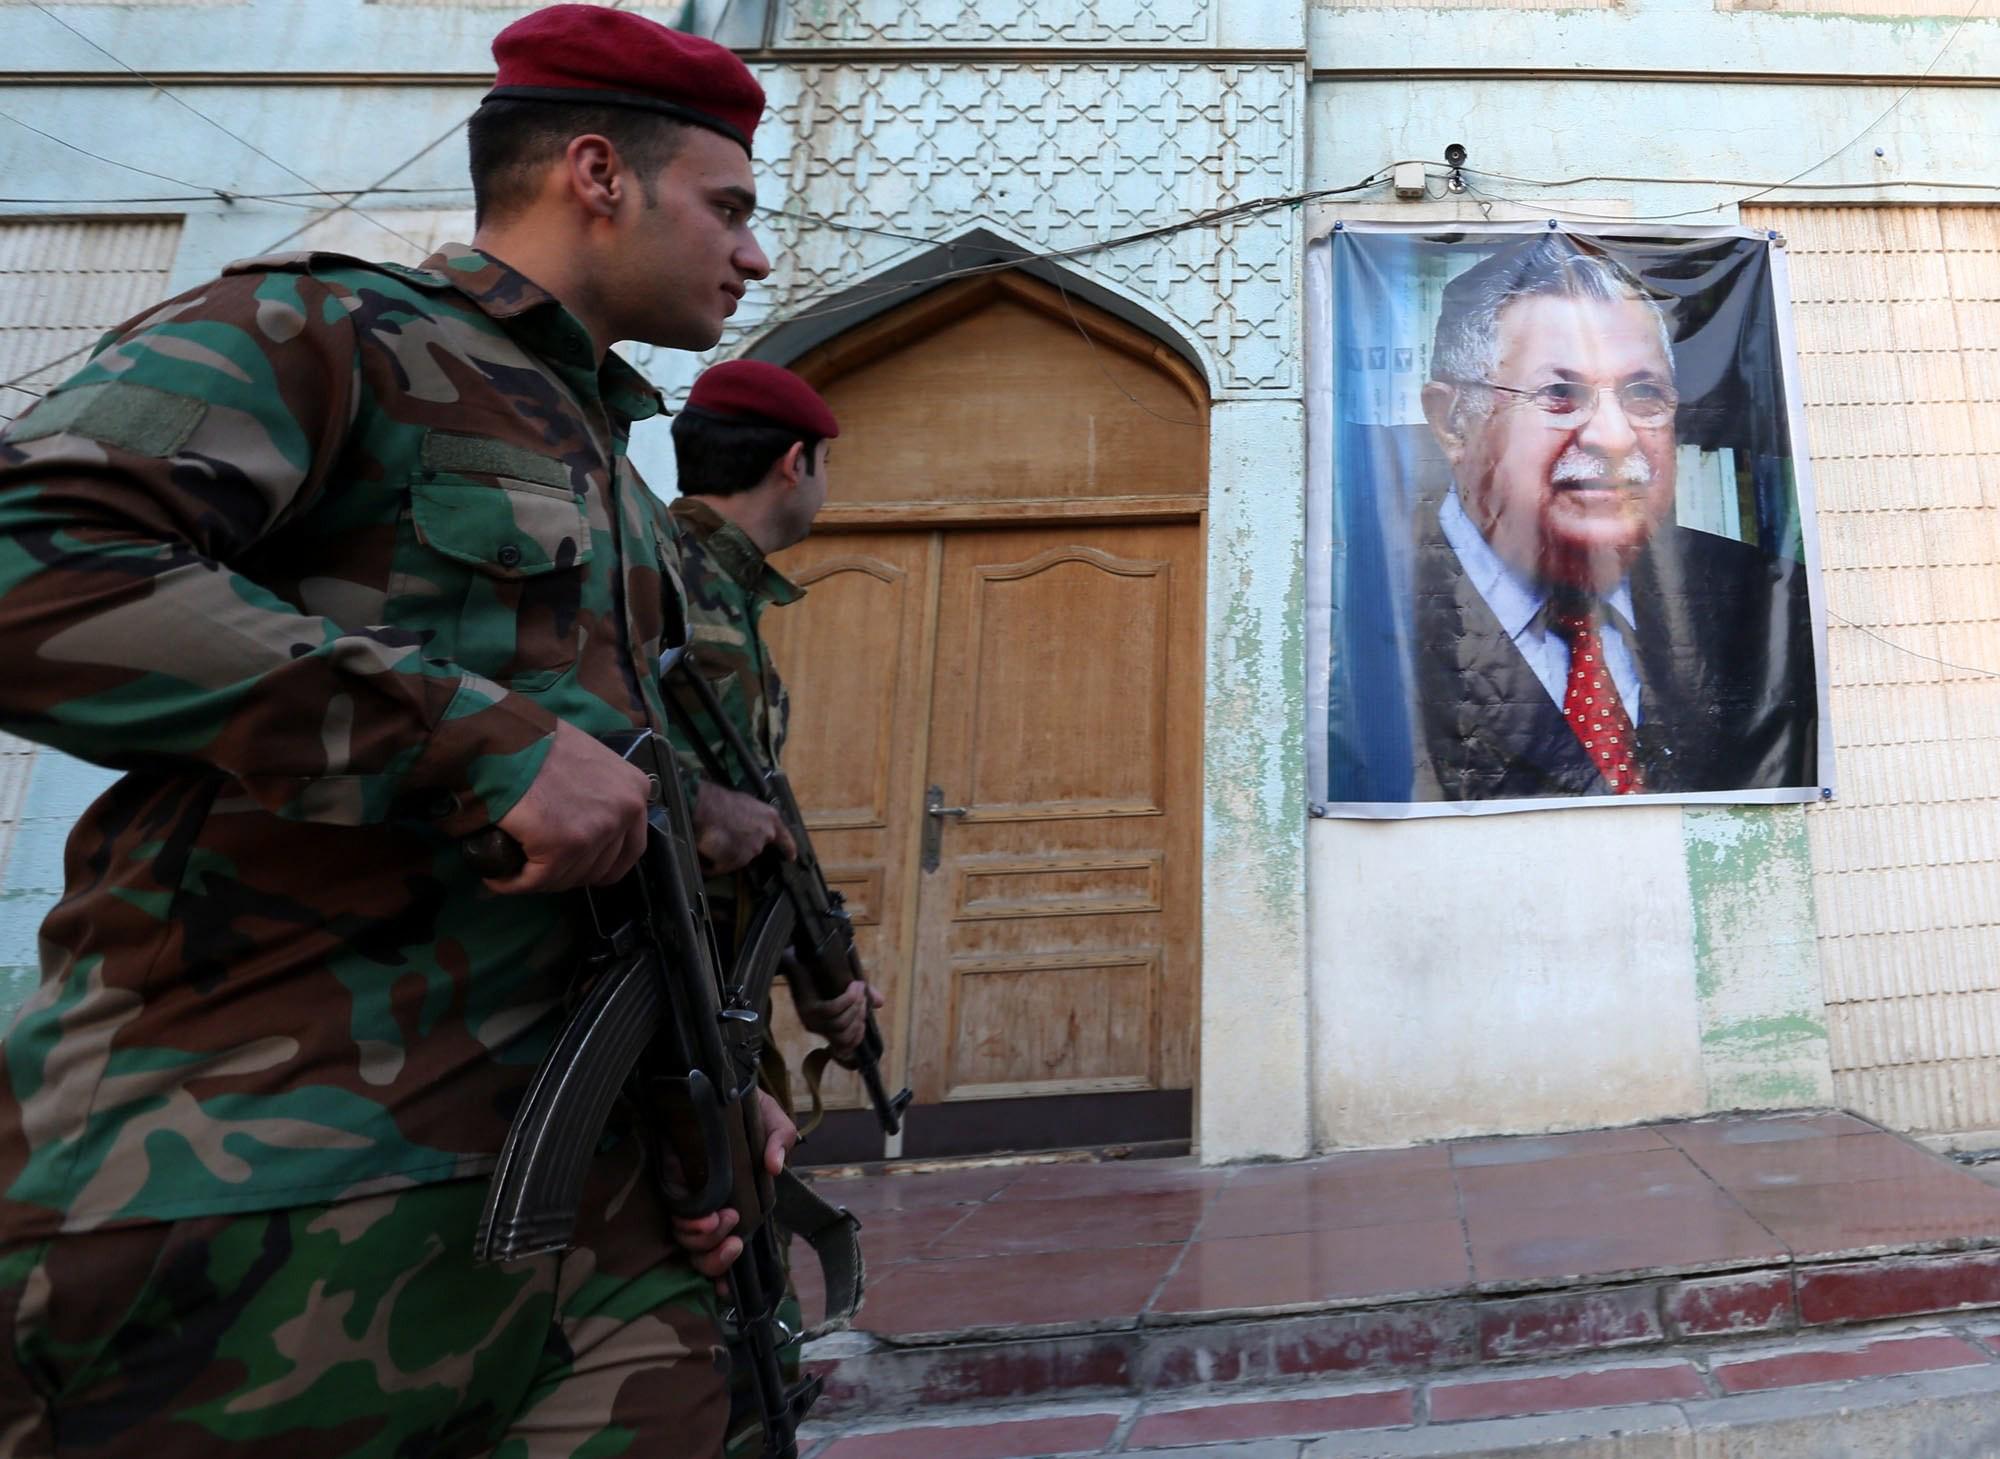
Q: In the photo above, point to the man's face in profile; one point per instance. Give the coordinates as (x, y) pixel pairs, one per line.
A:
(1566, 485)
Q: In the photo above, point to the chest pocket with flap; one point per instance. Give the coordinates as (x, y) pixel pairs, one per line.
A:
(526, 538)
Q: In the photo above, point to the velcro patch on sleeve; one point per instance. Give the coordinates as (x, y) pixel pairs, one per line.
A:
(119, 413)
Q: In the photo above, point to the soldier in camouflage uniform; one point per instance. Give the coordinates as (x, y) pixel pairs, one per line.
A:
(752, 448)
(339, 562)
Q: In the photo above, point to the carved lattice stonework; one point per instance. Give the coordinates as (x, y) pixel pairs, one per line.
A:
(980, 22)
(1054, 157)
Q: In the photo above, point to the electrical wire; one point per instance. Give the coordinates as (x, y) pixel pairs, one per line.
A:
(201, 196)
(347, 204)
(1913, 653)
(1097, 358)
(1015, 259)
(204, 116)
(1211, 217)
(1763, 191)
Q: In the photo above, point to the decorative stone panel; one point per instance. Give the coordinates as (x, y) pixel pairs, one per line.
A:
(885, 163)
(982, 23)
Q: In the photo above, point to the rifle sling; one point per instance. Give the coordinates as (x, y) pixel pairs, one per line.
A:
(831, 1231)
(813, 1068)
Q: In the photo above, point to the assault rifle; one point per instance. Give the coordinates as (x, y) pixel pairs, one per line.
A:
(797, 911)
(656, 1022)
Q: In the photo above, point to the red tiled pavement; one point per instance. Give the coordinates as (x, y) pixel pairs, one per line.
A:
(1579, 1180)
(1316, 1198)
(1037, 1289)
(1141, 1218)
(1834, 1365)
(1312, 1268)
(1938, 1204)
(1604, 1388)
(1694, 1231)
(1081, 1246)
(1123, 1177)
(1081, 1434)
(1224, 1423)
(1517, 1149)
(871, 1195)
(1385, 1164)
(1740, 1130)
(1841, 1160)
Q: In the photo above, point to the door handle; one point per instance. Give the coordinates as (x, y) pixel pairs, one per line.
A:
(935, 811)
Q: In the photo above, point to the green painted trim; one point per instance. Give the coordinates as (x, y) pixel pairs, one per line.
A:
(1760, 1006)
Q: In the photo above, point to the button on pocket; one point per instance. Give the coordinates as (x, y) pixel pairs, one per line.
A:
(506, 528)
(510, 572)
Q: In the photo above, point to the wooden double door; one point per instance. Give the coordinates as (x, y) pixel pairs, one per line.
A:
(995, 737)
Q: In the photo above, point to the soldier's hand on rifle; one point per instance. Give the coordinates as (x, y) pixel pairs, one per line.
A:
(840, 1021)
(707, 1239)
(731, 829)
(582, 822)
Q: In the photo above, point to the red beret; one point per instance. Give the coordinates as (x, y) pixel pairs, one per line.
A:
(593, 54)
(766, 394)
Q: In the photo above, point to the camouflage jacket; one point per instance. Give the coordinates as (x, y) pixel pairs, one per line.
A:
(318, 553)
(729, 583)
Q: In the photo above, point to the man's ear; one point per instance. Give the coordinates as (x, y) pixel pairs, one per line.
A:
(792, 465)
(1440, 401)
(595, 173)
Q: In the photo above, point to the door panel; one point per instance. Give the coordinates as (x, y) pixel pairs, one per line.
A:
(1056, 936)
(854, 656)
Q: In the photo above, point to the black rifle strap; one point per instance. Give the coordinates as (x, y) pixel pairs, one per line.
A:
(831, 1231)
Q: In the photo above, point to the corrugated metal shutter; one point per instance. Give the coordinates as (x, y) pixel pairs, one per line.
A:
(1898, 313)
(62, 284)
(16, 756)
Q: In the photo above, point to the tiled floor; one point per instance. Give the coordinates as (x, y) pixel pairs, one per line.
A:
(1080, 1247)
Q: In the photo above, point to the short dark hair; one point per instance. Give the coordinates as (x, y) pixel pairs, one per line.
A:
(1466, 346)
(512, 141)
(717, 457)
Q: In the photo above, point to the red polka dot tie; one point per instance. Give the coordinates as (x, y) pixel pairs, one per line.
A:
(1591, 703)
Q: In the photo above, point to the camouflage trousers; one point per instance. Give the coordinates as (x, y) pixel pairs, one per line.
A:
(364, 1328)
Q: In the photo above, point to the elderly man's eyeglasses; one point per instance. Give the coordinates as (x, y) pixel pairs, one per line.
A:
(1572, 403)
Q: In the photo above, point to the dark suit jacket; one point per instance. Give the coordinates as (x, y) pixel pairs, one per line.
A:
(1725, 655)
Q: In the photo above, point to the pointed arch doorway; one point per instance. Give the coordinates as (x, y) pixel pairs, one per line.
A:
(996, 714)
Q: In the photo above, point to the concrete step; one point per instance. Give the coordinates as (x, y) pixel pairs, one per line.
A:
(1469, 1332)
(1882, 1391)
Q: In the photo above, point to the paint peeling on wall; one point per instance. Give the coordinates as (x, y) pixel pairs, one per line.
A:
(1254, 989)
(1257, 717)
(1763, 1033)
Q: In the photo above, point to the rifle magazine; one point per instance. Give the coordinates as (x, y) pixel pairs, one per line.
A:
(531, 1204)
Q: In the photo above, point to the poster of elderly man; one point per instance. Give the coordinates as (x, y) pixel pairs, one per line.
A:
(1562, 546)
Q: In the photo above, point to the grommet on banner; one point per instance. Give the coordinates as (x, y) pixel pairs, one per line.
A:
(1552, 222)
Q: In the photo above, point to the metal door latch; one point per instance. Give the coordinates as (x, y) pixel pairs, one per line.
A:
(935, 811)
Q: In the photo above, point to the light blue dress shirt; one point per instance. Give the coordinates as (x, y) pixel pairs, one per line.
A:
(1521, 604)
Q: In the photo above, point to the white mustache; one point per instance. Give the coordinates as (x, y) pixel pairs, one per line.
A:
(1577, 464)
